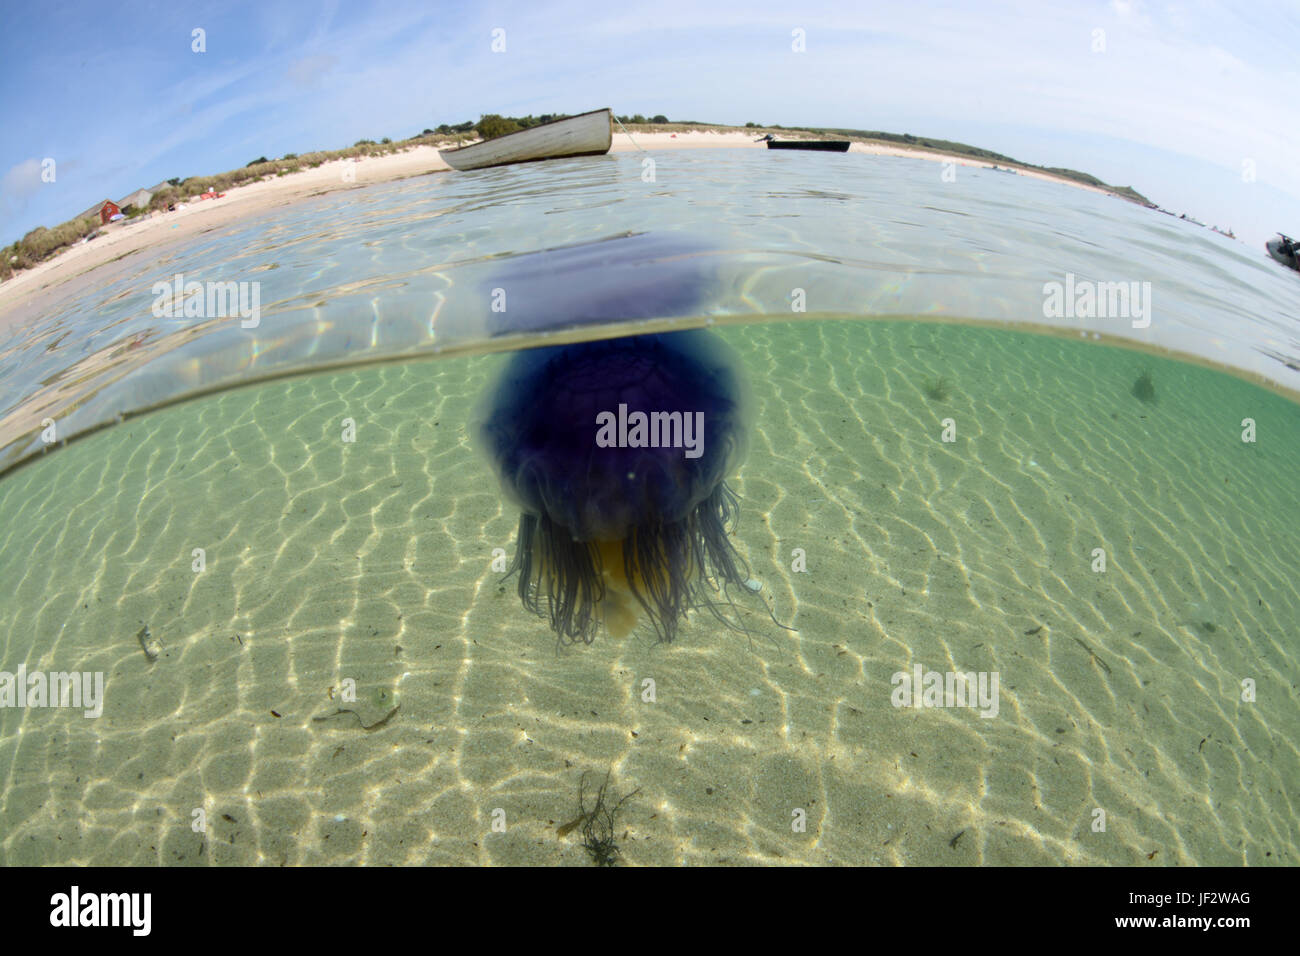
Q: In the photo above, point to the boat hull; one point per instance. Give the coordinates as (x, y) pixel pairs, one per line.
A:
(817, 145)
(1275, 249)
(588, 134)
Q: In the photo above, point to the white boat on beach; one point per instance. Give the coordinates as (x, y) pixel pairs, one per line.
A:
(588, 134)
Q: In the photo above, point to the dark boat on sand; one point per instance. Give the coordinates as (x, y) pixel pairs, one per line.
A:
(820, 145)
(1285, 250)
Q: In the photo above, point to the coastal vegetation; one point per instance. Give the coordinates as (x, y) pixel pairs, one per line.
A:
(42, 243)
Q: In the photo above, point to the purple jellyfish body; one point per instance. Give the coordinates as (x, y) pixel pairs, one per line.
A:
(617, 454)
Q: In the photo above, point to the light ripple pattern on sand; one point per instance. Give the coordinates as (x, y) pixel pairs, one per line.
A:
(373, 560)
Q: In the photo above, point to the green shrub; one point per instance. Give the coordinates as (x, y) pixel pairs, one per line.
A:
(492, 125)
(163, 198)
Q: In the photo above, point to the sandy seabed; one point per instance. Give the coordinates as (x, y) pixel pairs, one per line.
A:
(372, 561)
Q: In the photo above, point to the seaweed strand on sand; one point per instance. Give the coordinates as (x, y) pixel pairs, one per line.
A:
(598, 822)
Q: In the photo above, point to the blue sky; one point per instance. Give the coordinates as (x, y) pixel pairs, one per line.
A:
(1185, 102)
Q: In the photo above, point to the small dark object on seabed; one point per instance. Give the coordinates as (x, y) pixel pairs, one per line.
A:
(1093, 655)
(151, 646)
(937, 389)
(1144, 389)
(597, 823)
(368, 728)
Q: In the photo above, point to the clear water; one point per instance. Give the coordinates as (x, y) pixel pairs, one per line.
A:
(408, 268)
(1120, 690)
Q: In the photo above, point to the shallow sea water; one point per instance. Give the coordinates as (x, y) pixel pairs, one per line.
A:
(1120, 690)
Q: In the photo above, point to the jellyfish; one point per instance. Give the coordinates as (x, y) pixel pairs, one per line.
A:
(617, 453)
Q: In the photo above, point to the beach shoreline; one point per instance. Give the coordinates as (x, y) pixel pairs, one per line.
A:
(242, 202)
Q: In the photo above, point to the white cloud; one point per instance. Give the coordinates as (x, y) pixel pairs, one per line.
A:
(20, 183)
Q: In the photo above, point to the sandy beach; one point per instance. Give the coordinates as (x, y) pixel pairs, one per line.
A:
(120, 239)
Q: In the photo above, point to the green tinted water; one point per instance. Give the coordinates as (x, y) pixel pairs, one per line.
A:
(325, 561)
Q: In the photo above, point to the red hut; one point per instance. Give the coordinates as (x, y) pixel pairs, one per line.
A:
(104, 211)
